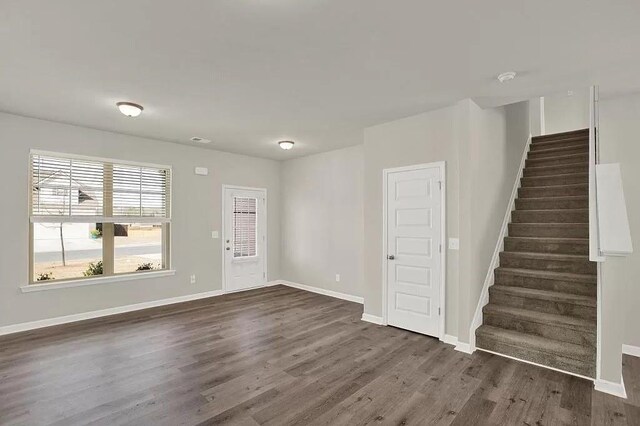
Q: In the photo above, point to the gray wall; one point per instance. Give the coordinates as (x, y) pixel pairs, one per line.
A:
(322, 220)
(563, 113)
(196, 212)
(482, 149)
(492, 159)
(619, 143)
(423, 138)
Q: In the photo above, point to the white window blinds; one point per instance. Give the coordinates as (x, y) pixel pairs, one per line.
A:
(245, 226)
(77, 189)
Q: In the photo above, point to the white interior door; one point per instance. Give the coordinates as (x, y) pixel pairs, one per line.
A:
(414, 236)
(245, 238)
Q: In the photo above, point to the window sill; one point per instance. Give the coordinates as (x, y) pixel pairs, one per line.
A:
(95, 281)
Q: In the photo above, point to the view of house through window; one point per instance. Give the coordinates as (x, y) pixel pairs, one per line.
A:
(97, 218)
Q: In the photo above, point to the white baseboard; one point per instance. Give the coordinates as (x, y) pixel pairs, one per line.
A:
(631, 350)
(337, 295)
(450, 340)
(372, 319)
(464, 347)
(615, 389)
(26, 326)
(476, 321)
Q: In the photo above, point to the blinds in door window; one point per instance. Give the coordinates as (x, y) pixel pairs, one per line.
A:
(245, 226)
(76, 189)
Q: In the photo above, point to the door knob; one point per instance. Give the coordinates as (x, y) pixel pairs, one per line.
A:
(228, 248)
(391, 257)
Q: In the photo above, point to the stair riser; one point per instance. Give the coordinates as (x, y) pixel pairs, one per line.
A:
(556, 170)
(551, 204)
(566, 143)
(550, 331)
(584, 368)
(562, 286)
(557, 161)
(546, 306)
(569, 231)
(553, 191)
(578, 134)
(557, 151)
(550, 216)
(545, 247)
(570, 179)
(571, 266)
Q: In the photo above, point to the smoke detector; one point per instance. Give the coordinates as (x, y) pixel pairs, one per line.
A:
(200, 140)
(506, 76)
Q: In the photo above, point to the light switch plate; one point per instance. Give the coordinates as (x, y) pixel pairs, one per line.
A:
(454, 244)
(214, 234)
(202, 171)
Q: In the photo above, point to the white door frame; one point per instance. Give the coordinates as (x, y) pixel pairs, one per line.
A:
(223, 231)
(443, 258)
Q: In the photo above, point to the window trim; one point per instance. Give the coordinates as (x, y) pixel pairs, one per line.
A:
(33, 285)
(83, 281)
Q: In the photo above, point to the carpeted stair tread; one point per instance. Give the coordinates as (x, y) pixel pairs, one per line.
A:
(559, 150)
(564, 276)
(554, 191)
(546, 295)
(553, 203)
(558, 262)
(556, 170)
(579, 141)
(580, 133)
(557, 160)
(555, 180)
(550, 216)
(565, 356)
(571, 230)
(573, 323)
(547, 245)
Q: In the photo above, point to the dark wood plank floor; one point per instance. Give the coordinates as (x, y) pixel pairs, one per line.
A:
(280, 356)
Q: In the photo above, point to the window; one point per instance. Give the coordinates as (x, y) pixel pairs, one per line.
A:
(245, 226)
(94, 217)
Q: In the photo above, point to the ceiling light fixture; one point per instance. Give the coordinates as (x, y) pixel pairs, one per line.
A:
(506, 76)
(200, 140)
(130, 109)
(286, 145)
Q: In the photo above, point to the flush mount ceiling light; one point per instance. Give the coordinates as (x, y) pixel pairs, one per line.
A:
(130, 109)
(506, 76)
(286, 145)
(200, 140)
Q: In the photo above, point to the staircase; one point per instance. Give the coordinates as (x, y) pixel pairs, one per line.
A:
(542, 306)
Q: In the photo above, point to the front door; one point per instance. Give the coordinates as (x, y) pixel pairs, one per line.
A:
(245, 238)
(414, 236)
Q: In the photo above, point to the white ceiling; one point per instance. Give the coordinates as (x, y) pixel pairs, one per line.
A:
(247, 73)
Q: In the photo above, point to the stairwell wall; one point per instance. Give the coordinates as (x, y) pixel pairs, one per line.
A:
(491, 158)
(619, 118)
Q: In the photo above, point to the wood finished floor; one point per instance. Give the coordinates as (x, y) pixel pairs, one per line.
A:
(280, 356)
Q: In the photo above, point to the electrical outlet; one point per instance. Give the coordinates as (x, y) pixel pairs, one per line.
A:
(454, 244)
(337, 278)
(193, 279)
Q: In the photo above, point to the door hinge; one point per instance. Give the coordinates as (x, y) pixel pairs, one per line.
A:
(440, 248)
(439, 311)
(440, 185)
(264, 275)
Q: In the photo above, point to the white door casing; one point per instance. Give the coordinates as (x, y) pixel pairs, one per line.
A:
(244, 242)
(414, 248)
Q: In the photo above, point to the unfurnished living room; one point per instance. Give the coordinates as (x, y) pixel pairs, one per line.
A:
(319, 212)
